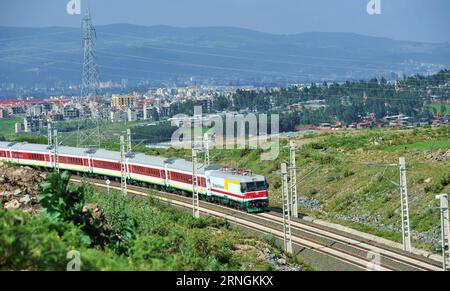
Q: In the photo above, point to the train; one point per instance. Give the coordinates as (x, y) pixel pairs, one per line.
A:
(236, 188)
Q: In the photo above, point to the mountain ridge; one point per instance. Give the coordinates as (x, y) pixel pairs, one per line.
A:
(46, 55)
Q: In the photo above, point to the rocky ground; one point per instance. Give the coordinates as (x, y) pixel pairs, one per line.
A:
(20, 187)
(431, 236)
(437, 155)
(261, 251)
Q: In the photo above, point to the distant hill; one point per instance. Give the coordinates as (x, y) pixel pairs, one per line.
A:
(223, 54)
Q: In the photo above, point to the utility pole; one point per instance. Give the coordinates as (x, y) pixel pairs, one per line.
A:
(404, 206)
(293, 174)
(286, 210)
(108, 183)
(206, 146)
(445, 230)
(123, 166)
(128, 140)
(56, 151)
(195, 198)
(49, 134)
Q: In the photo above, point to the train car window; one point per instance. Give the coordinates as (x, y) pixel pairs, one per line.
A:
(147, 171)
(253, 186)
(37, 157)
(180, 177)
(75, 161)
(107, 165)
(17, 155)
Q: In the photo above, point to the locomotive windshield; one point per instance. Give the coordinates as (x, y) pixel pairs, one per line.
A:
(254, 186)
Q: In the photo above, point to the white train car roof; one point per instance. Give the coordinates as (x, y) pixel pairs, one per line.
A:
(186, 166)
(6, 144)
(24, 146)
(179, 164)
(105, 155)
(142, 159)
(71, 151)
(237, 177)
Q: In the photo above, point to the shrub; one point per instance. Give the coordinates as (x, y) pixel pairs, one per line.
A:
(445, 179)
(434, 188)
(327, 160)
(35, 244)
(348, 173)
(61, 202)
(312, 192)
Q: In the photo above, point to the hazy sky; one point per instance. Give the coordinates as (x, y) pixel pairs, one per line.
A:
(420, 20)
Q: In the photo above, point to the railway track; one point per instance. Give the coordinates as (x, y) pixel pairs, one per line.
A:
(344, 248)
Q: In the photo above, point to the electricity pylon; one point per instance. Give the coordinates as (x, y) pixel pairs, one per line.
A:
(90, 136)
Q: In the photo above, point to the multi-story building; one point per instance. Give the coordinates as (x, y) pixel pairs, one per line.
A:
(3, 113)
(35, 110)
(71, 112)
(127, 101)
(33, 123)
(206, 103)
(116, 115)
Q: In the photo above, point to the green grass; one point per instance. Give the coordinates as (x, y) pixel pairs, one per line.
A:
(422, 146)
(108, 131)
(163, 239)
(7, 126)
(439, 108)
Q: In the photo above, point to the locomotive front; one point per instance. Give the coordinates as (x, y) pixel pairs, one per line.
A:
(240, 189)
(256, 193)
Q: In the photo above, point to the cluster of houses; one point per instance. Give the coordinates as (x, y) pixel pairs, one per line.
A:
(394, 121)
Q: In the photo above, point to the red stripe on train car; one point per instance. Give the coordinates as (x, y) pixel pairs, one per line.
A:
(227, 193)
(247, 195)
(256, 194)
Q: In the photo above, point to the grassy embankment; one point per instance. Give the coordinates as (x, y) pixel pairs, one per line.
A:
(350, 185)
(135, 234)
